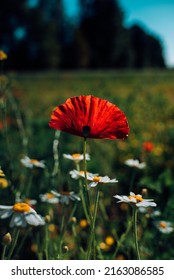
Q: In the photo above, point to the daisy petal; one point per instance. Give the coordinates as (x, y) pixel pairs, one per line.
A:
(18, 220)
(5, 213)
(34, 219)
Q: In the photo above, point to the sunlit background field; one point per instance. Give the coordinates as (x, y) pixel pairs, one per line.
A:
(146, 97)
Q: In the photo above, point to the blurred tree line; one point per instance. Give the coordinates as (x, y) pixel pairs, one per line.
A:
(41, 36)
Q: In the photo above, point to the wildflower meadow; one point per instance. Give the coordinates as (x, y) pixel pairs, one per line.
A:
(86, 165)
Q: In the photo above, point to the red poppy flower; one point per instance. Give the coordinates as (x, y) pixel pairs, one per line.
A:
(148, 146)
(90, 117)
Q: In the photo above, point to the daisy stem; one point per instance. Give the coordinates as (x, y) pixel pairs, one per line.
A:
(14, 241)
(46, 243)
(82, 196)
(92, 233)
(122, 238)
(4, 252)
(135, 211)
(61, 231)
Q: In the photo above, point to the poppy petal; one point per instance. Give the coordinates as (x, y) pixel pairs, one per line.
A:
(102, 118)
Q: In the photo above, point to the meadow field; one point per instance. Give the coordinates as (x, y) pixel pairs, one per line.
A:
(27, 101)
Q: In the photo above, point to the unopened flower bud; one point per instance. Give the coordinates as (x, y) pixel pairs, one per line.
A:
(47, 219)
(144, 191)
(6, 240)
(74, 220)
(65, 249)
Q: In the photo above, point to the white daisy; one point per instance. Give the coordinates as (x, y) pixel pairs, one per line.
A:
(135, 200)
(30, 163)
(99, 179)
(75, 174)
(164, 227)
(49, 197)
(135, 163)
(65, 197)
(27, 200)
(22, 215)
(76, 157)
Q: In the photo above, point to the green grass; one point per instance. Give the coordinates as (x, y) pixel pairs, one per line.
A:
(146, 97)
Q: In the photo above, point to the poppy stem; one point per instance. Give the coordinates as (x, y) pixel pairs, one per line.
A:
(87, 201)
(135, 210)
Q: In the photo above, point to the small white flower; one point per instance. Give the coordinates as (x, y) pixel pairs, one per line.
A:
(30, 163)
(27, 200)
(164, 227)
(75, 174)
(135, 163)
(22, 215)
(136, 200)
(98, 179)
(49, 197)
(65, 197)
(76, 157)
(94, 177)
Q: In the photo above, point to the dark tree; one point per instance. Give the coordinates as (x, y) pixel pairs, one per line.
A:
(40, 37)
(101, 24)
(146, 50)
(31, 35)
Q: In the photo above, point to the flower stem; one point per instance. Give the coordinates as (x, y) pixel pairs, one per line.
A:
(81, 191)
(135, 211)
(14, 241)
(122, 238)
(46, 243)
(91, 246)
(85, 192)
(4, 252)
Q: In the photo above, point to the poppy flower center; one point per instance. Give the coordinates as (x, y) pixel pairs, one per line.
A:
(137, 197)
(86, 130)
(96, 179)
(75, 156)
(50, 195)
(65, 193)
(21, 207)
(162, 225)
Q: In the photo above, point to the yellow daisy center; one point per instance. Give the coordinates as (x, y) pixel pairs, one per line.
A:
(75, 156)
(96, 179)
(34, 161)
(162, 225)
(3, 55)
(50, 195)
(21, 207)
(83, 223)
(3, 183)
(137, 197)
(52, 228)
(109, 240)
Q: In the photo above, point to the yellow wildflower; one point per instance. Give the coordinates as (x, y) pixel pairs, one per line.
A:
(3, 55)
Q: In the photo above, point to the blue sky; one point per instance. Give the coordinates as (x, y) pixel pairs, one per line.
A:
(155, 16)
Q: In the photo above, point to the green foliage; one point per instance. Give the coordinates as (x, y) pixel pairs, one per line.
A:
(146, 100)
